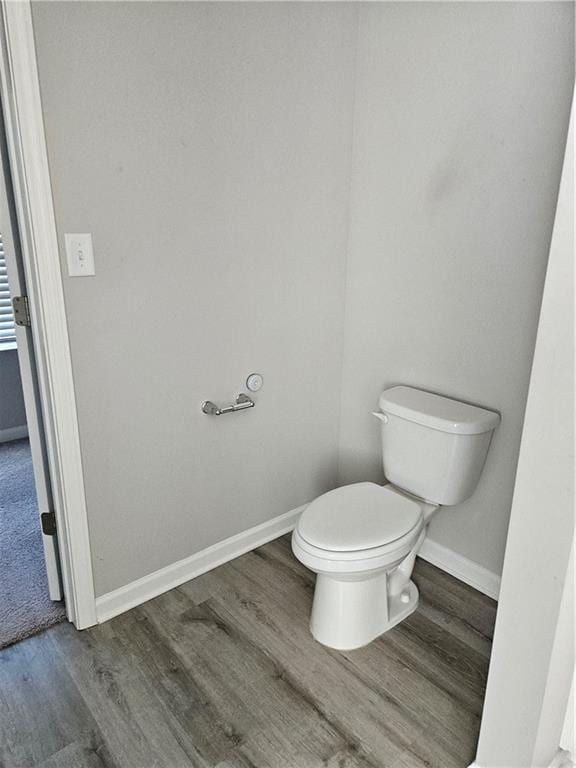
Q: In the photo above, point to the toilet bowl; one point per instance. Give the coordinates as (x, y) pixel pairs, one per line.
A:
(362, 540)
(359, 539)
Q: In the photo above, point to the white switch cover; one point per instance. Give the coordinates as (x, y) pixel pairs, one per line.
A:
(79, 254)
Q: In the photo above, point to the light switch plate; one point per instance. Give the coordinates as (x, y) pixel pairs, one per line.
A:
(79, 254)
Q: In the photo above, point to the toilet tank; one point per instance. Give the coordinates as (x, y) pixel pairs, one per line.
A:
(432, 446)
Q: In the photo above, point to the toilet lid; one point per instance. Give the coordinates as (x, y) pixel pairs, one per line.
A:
(359, 516)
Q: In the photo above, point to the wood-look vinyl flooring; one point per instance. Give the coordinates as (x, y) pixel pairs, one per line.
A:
(223, 673)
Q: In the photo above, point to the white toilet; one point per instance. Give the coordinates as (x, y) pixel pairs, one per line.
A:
(362, 539)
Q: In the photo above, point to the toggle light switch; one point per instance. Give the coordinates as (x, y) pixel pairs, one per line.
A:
(79, 254)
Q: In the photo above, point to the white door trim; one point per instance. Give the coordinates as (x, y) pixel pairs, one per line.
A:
(24, 124)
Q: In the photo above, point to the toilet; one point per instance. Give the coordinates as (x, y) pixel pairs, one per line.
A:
(362, 539)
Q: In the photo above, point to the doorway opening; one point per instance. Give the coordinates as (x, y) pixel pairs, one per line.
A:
(25, 603)
(30, 591)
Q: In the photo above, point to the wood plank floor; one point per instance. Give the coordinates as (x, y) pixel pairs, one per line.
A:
(223, 673)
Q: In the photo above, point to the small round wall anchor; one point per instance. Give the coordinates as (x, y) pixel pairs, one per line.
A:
(254, 382)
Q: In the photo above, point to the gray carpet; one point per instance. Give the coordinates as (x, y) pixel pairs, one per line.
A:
(25, 607)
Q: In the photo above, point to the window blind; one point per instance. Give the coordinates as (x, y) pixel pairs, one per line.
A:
(7, 326)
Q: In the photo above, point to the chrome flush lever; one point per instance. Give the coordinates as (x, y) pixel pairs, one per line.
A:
(242, 403)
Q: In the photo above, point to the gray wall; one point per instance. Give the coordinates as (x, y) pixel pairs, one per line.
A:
(461, 116)
(207, 149)
(12, 413)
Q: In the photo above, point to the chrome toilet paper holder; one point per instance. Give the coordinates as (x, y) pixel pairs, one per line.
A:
(242, 403)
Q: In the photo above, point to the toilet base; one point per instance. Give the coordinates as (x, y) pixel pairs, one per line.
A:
(350, 612)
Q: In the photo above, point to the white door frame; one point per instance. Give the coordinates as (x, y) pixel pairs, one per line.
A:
(27, 152)
(529, 681)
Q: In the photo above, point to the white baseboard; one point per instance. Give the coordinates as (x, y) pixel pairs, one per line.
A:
(561, 759)
(466, 570)
(156, 583)
(138, 592)
(13, 433)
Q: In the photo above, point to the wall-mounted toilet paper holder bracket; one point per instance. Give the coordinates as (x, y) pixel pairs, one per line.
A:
(242, 403)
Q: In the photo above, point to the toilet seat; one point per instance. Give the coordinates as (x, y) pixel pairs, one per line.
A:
(357, 528)
(358, 517)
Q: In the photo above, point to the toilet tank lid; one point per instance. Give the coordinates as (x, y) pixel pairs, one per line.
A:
(437, 412)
